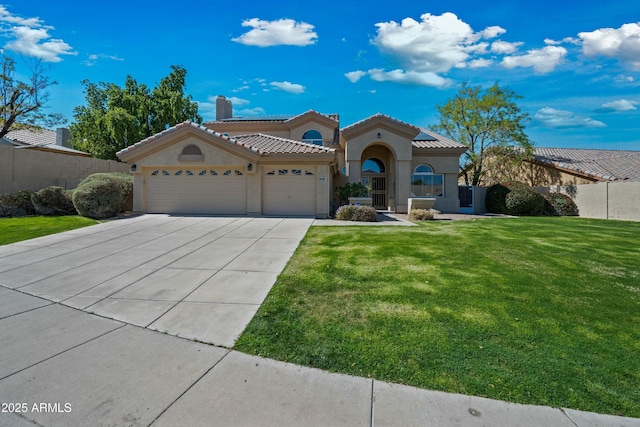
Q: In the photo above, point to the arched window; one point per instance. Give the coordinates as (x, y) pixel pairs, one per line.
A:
(312, 136)
(373, 165)
(191, 150)
(425, 183)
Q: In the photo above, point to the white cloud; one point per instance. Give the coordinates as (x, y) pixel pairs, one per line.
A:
(31, 37)
(93, 59)
(620, 105)
(278, 32)
(426, 78)
(480, 63)
(551, 117)
(542, 60)
(435, 44)
(621, 43)
(492, 32)
(503, 47)
(238, 102)
(354, 76)
(288, 87)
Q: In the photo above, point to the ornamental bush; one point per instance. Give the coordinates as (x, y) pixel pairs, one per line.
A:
(496, 198)
(103, 195)
(17, 204)
(53, 201)
(514, 198)
(558, 204)
(357, 213)
(421, 214)
(523, 199)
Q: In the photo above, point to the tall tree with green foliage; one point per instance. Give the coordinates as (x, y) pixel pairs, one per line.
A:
(22, 103)
(116, 117)
(485, 122)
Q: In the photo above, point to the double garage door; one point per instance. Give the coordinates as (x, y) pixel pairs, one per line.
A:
(210, 191)
(223, 191)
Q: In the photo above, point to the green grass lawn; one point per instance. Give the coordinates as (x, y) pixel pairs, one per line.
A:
(17, 229)
(531, 310)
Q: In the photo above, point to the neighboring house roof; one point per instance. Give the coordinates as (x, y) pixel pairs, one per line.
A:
(256, 143)
(40, 139)
(602, 165)
(429, 139)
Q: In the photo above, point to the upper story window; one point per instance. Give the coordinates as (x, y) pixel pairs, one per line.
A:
(312, 136)
(191, 150)
(426, 183)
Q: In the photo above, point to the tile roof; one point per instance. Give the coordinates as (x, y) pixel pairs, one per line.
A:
(607, 165)
(39, 138)
(265, 144)
(375, 116)
(430, 139)
(258, 143)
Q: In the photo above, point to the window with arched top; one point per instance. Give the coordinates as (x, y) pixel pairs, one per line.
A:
(426, 183)
(191, 153)
(373, 165)
(312, 136)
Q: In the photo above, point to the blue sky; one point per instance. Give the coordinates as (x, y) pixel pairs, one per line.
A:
(576, 64)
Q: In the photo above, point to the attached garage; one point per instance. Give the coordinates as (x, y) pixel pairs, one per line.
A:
(289, 191)
(198, 190)
(189, 169)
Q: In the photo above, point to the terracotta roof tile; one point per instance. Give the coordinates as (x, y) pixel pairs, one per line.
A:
(438, 141)
(608, 165)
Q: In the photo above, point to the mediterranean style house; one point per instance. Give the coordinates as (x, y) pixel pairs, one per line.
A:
(290, 165)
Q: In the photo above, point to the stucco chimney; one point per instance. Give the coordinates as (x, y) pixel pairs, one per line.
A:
(63, 137)
(224, 109)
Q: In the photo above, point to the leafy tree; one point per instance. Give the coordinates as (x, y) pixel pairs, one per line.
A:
(484, 121)
(116, 117)
(22, 103)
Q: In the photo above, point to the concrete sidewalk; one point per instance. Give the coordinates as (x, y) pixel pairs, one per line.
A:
(60, 365)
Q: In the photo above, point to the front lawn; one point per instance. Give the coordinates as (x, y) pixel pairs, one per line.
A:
(532, 310)
(17, 229)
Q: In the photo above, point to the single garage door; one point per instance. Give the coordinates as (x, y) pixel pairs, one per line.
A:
(289, 191)
(197, 191)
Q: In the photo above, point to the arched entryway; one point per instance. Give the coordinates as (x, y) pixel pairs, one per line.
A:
(378, 171)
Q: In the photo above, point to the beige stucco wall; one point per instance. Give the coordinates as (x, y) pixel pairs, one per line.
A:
(29, 169)
(605, 200)
(447, 165)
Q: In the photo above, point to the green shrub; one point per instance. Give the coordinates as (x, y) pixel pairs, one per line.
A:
(558, 204)
(421, 215)
(496, 198)
(352, 190)
(523, 199)
(357, 213)
(53, 201)
(103, 195)
(17, 204)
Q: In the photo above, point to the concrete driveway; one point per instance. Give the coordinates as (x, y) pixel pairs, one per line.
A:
(201, 278)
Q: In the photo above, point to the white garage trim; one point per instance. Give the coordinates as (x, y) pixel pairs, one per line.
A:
(289, 191)
(197, 190)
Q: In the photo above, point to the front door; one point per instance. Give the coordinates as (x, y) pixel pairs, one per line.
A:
(379, 192)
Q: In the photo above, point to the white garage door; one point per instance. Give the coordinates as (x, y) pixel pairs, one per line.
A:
(289, 191)
(197, 191)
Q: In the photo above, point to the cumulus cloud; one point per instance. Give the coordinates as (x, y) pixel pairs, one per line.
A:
(622, 43)
(551, 117)
(31, 37)
(620, 105)
(278, 32)
(542, 60)
(238, 102)
(426, 78)
(502, 47)
(288, 87)
(435, 44)
(480, 63)
(354, 76)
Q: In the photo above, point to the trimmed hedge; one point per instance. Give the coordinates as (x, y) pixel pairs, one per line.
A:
(53, 201)
(558, 204)
(514, 198)
(103, 195)
(357, 213)
(421, 215)
(17, 204)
